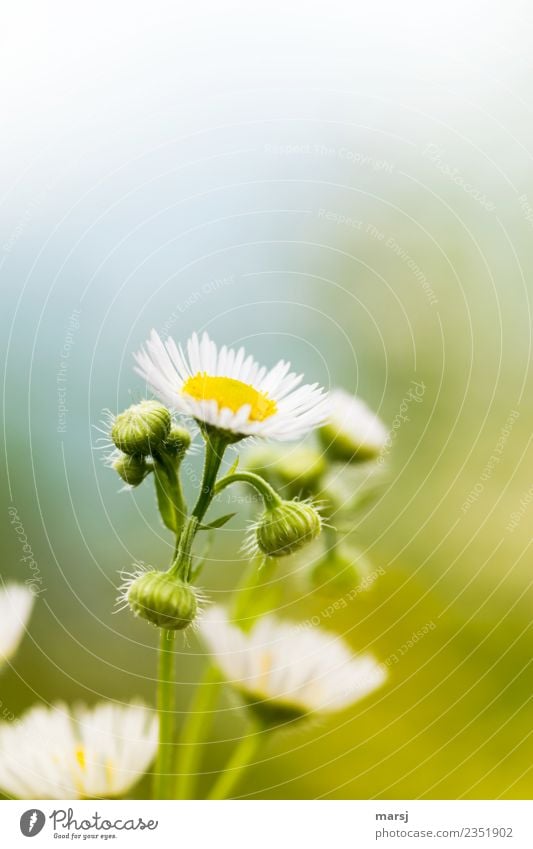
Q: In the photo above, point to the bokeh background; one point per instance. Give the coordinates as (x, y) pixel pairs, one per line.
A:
(352, 191)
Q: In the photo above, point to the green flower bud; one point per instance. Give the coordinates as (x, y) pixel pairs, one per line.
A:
(353, 489)
(287, 527)
(141, 428)
(177, 442)
(272, 713)
(353, 433)
(340, 571)
(262, 461)
(297, 469)
(164, 600)
(132, 468)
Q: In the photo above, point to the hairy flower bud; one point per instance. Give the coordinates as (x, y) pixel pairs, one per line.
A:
(357, 486)
(141, 428)
(287, 527)
(340, 571)
(177, 442)
(353, 432)
(132, 468)
(296, 469)
(164, 600)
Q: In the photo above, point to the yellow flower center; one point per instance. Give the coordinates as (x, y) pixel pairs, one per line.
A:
(109, 774)
(80, 757)
(230, 393)
(265, 668)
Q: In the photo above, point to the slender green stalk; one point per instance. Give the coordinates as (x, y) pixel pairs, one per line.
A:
(165, 709)
(240, 760)
(331, 539)
(269, 495)
(215, 445)
(181, 566)
(193, 732)
(248, 605)
(201, 710)
(170, 498)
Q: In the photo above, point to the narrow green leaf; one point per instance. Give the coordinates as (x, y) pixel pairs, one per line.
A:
(217, 523)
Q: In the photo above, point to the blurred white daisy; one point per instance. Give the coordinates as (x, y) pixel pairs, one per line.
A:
(16, 602)
(288, 669)
(58, 753)
(352, 431)
(230, 391)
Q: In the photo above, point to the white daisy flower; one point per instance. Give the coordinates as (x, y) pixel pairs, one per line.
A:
(16, 602)
(230, 391)
(58, 753)
(294, 670)
(353, 431)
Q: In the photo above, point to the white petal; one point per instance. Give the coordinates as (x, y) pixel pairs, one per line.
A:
(16, 602)
(165, 369)
(55, 753)
(303, 666)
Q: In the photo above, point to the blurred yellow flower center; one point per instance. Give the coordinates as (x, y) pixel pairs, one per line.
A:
(80, 757)
(109, 769)
(230, 393)
(265, 668)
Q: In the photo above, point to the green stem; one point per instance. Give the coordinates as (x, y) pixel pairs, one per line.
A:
(201, 711)
(170, 498)
(200, 714)
(240, 760)
(165, 709)
(248, 604)
(269, 495)
(182, 564)
(215, 445)
(331, 539)
(197, 722)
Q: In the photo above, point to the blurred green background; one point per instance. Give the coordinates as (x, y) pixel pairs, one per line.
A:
(372, 222)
